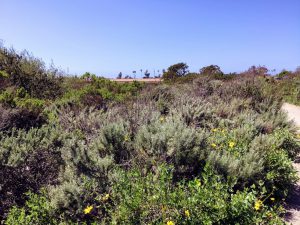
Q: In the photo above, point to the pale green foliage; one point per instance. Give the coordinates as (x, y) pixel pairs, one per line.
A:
(88, 120)
(281, 139)
(278, 168)
(82, 162)
(246, 166)
(194, 112)
(135, 113)
(85, 158)
(168, 137)
(68, 192)
(15, 148)
(3, 74)
(115, 139)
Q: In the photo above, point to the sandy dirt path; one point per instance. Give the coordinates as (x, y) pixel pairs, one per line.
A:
(293, 112)
(293, 202)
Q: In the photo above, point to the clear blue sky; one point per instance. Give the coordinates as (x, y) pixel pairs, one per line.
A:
(109, 36)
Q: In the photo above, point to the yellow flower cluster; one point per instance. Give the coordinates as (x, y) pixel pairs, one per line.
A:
(105, 197)
(88, 209)
(198, 183)
(218, 129)
(126, 138)
(170, 222)
(213, 145)
(231, 144)
(258, 204)
(187, 213)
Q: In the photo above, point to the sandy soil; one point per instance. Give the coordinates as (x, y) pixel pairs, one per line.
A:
(293, 112)
(293, 202)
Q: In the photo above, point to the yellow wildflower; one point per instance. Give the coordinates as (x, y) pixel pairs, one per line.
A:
(187, 213)
(272, 199)
(258, 205)
(161, 119)
(213, 145)
(214, 130)
(231, 144)
(105, 197)
(88, 209)
(126, 138)
(198, 183)
(170, 222)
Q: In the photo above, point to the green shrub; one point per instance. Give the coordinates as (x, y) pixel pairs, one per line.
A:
(7, 99)
(88, 120)
(3, 74)
(229, 153)
(72, 171)
(169, 139)
(279, 173)
(30, 73)
(98, 93)
(36, 211)
(85, 174)
(40, 169)
(20, 118)
(152, 198)
(115, 140)
(16, 147)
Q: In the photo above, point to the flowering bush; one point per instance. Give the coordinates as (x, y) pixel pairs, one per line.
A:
(153, 198)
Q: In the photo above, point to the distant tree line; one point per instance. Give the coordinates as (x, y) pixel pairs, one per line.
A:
(145, 74)
(180, 70)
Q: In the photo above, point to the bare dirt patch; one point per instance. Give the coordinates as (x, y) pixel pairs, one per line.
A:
(293, 202)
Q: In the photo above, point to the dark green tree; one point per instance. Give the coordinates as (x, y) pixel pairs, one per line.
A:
(147, 74)
(257, 71)
(176, 71)
(211, 70)
(283, 73)
(119, 75)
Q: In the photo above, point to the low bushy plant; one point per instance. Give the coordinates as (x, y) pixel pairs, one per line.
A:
(152, 198)
(36, 211)
(170, 139)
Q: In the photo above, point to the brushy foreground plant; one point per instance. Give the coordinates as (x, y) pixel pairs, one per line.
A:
(152, 198)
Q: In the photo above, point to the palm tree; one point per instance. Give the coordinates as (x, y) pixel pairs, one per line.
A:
(119, 75)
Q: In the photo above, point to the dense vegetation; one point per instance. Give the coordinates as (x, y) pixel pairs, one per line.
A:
(198, 148)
